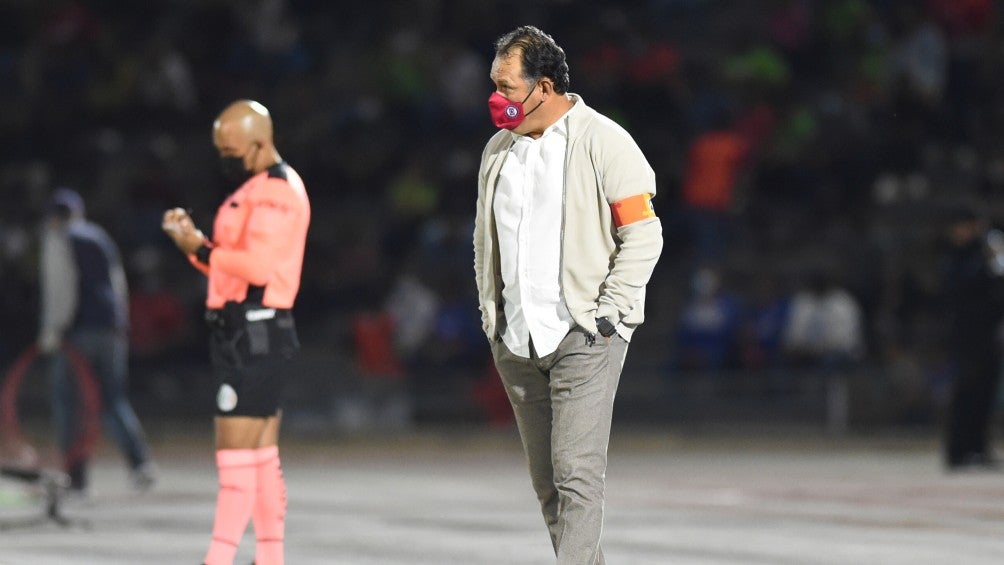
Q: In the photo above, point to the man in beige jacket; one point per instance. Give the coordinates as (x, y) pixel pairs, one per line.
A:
(565, 241)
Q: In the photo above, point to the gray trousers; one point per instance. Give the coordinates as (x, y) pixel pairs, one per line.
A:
(107, 352)
(563, 403)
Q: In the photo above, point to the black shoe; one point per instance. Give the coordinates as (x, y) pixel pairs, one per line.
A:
(974, 462)
(988, 462)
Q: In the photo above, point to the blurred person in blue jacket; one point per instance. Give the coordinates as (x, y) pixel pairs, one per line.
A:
(84, 303)
(708, 331)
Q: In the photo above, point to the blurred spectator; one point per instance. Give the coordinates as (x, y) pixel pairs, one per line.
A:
(158, 321)
(824, 329)
(85, 302)
(974, 300)
(825, 336)
(380, 400)
(411, 306)
(708, 330)
(920, 57)
(166, 79)
(715, 161)
(463, 72)
(764, 321)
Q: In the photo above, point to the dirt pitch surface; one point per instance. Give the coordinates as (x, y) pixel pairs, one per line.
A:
(449, 497)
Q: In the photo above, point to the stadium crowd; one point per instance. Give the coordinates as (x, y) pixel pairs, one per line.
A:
(794, 141)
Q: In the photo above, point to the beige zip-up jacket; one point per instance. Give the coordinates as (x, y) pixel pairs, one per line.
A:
(604, 269)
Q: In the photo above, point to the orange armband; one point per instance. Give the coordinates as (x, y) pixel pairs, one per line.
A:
(632, 209)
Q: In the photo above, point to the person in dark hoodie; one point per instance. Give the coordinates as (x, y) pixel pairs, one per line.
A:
(84, 304)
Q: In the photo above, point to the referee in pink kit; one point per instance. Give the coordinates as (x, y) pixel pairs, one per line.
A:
(253, 261)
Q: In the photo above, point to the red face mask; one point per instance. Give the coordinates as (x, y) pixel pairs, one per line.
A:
(507, 114)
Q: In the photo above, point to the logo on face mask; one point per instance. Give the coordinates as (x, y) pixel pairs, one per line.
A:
(507, 114)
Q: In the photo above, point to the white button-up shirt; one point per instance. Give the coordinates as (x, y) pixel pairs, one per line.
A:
(528, 217)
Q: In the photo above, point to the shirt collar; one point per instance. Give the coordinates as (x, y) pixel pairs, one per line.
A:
(559, 126)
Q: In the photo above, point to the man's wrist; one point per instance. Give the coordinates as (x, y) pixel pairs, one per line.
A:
(202, 253)
(605, 327)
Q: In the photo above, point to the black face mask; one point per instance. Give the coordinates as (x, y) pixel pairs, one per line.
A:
(233, 169)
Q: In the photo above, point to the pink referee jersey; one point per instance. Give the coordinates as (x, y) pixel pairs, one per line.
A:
(259, 236)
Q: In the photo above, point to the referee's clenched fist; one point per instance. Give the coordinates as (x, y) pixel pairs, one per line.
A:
(181, 229)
